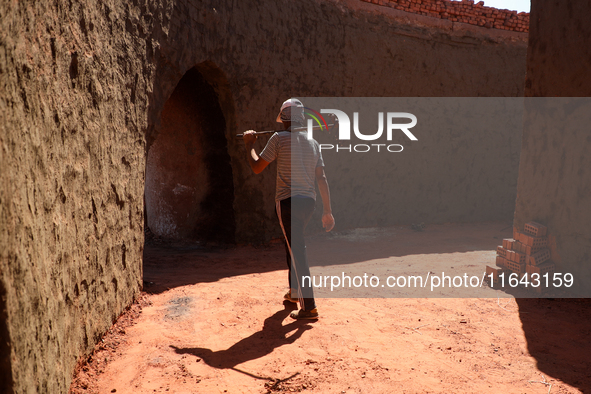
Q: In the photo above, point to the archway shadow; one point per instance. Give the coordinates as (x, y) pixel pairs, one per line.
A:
(261, 343)
(189, 188)
(557, 333)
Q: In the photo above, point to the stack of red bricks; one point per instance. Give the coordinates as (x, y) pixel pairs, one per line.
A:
(464, 11)
(526, 253)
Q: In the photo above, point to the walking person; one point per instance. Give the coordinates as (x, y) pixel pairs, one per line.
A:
(299, 167)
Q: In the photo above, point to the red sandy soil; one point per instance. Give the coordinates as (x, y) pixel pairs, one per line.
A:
(213, 321)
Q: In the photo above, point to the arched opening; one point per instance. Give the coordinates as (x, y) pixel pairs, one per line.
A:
(189, 187)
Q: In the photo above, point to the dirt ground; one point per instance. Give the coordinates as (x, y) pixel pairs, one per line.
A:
(212, 320)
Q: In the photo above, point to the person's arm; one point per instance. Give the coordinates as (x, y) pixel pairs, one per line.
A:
(327, 218)
(257, 163)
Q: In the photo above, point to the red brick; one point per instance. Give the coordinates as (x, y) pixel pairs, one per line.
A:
(515, 267)
(534, 242)
(547, 267)
(501, 251)
(519, 247)
(508, 243)
(535, 229)
(532, 250)
(495, 270)
(501, 261)
(516, 256)
(539, 257)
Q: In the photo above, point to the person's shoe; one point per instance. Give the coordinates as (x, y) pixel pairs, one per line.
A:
(287, 297)
(302, 314)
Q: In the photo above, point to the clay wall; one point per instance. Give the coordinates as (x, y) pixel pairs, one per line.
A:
(555, 167)
(85, 87)
(326, 49)
(73, 112)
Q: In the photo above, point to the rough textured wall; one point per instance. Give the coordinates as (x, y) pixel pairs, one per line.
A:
(558, 54)
(73, 119)
(555, 169)
(258, 54)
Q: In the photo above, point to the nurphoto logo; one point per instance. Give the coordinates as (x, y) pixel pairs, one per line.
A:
(393, 124)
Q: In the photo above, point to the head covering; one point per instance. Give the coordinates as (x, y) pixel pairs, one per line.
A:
(292, 110)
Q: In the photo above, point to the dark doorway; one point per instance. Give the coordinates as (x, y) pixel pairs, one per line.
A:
(189, 186)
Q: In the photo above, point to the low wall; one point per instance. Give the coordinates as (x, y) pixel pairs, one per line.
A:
(464, 11)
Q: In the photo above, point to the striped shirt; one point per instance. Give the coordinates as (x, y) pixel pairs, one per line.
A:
(297, 159)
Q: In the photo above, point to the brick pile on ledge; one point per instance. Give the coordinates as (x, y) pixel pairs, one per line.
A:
(464, 11)
(526, 253)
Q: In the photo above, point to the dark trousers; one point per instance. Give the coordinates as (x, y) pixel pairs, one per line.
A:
(294, 215)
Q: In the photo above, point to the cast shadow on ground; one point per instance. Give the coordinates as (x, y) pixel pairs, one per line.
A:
(365, 244)
(261, 343)
(557, 333)
(167, 267)
(557, 330)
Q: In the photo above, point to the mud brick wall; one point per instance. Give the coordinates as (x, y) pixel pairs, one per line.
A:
(257, 55)
(555, 168)
(464, 11)
(73, 113)
(83, 88)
